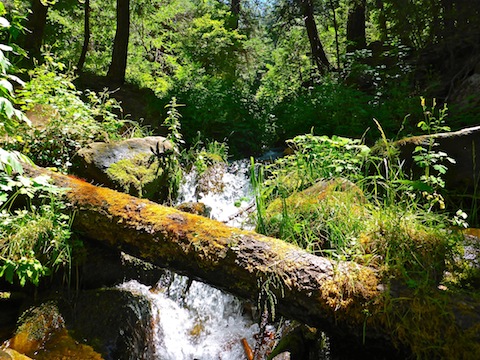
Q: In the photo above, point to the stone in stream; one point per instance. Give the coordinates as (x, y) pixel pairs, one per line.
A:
(126, 166)
(108, 324)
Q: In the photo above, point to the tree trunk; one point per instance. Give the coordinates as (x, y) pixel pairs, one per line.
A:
(235, 10)
(318, 53)
(116, 72)
(382, 20)
(36, 23)
(86, 37)
(356, 38)
(343, 298)
(448, 17)
(335, 26)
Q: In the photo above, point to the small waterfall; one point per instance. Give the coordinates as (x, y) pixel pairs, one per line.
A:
(193, 319)
(232, 202)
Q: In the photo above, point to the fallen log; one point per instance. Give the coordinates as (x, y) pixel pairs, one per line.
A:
(343, 298)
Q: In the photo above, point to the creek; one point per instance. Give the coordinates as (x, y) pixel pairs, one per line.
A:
(193, 320)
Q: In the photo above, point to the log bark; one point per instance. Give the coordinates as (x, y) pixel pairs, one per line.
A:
(343, 298)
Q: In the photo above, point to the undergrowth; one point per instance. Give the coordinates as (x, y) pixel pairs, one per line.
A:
(336, 197)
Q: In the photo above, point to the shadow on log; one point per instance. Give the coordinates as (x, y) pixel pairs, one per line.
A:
(342, 298)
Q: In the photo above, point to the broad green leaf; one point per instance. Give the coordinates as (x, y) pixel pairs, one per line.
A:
(4, 83)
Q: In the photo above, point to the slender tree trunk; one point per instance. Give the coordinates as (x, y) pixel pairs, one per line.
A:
(36, 23)
(318, 53)
(235, 10)
(356, 38)
(86, 37)
(382, 21)
(116, 72)
(448, 19)
(335, 26)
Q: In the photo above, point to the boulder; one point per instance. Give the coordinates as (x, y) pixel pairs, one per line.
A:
(117, 323)
(110, 324)
(129, 166)
(42, 335)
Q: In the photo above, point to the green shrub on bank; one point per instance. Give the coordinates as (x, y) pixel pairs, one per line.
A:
(63, 118)
(325, 198)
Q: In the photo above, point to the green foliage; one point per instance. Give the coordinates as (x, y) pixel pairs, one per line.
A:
(316, 158)
(386, 220)
(64, 118)
(433, 162)
(169, 161)
(210, 44)
(220, 110)
(203, 156)
(13, 18)
(9, 115)
(35, 241)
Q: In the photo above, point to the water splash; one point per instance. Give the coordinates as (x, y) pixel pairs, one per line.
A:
(195, 320)
(232, 204)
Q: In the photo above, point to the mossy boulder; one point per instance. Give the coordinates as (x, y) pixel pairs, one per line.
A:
(307, 218)
(10, 354)
(42, 335)
(95, 324)
(129, 166)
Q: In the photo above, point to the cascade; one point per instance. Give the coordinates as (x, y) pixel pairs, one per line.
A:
(193, 319)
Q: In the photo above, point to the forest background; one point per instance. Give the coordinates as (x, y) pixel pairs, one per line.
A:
(254, 73)
(250, 75)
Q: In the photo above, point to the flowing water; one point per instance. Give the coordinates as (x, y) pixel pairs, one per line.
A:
(194, 320)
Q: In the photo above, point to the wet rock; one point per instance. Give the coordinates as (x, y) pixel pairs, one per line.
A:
(10, 354)
(116, 323)
(211, 180)
(36, 326)
(197, 208)
(42, 335)
(125, 166)
(104, 267)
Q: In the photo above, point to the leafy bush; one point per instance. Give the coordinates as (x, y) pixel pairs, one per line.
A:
(64, 118)
(221, 110)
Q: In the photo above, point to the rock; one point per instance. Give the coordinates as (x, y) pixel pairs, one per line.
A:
(36, 326)
(10, 354)
(125, 166)
(466, 95)
(116, 323)
(197, 208)
(211, 180)
(104, 267)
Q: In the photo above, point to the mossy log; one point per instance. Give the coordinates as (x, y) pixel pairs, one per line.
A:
(343, 298)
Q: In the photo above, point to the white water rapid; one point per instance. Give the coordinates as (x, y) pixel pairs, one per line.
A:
(194, 320)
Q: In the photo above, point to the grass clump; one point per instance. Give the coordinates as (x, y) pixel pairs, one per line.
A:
(35, 238)
(325, 198)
